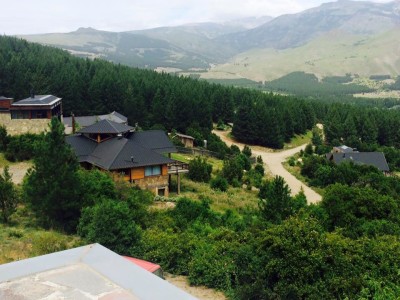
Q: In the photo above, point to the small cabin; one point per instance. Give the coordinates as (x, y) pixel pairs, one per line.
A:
(186, 140)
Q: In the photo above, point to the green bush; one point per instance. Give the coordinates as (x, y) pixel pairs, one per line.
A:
(4, 138)
(213, 265)
(234, 150)
(219, 183)
(173, 251)
(244, 161)
(22, 147)
(187, 211)
(215, 144)
(246, 151)
(309, 150)
(48, 242)
(259, 168)
(111, 224)
(199, 170)
(232, 170)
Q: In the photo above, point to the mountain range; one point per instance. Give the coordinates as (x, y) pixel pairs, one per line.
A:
(335, 38)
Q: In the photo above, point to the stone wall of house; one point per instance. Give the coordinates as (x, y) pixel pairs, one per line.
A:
(154, 183)
(19, 126)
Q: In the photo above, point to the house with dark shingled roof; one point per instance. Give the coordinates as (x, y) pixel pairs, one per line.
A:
(347, 154)
(142, 158)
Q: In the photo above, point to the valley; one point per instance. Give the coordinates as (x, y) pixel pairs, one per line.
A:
(334, 39)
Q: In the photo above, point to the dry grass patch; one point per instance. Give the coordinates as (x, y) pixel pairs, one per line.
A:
(22, 238)
(234, 198)
(298, 140)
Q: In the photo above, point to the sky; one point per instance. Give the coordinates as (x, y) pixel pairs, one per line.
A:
(45, 16)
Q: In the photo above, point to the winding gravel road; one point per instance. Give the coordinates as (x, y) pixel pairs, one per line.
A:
(273, 161)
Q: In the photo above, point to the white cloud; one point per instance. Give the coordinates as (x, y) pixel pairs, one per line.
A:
(39, 16)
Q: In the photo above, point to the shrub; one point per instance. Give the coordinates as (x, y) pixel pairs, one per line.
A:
(16, 233)
(48, 242)
(4, 139)
(199, 170)
(246, 151)
(309, 150)
(232, 170)
(213, 265)
(234, 150)
(215, 144)
(22, 147)
(187, 211)
(219, 183)
(244, 161)
(173, 251)
(111, 224)
(254, 177)
(259, 168)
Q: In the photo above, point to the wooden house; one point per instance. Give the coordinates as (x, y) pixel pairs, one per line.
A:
(37, 107)
(186, 140)
(376, 159)
(142, 158)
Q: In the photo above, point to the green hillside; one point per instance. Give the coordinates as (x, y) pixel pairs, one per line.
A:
(126, 48)
(336, 53)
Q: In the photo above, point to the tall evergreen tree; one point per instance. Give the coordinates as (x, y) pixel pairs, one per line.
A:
(275, 203)
(52, 186)
(8, 195)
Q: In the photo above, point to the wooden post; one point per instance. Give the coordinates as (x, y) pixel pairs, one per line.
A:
(179, 183)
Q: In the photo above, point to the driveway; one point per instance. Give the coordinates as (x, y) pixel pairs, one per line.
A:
(273, 161)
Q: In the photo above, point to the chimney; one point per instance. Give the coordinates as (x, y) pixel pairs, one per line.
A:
(32, 93)
(73, 123)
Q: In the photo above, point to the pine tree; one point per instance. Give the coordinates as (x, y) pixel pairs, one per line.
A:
(52, 187)
(8, 195)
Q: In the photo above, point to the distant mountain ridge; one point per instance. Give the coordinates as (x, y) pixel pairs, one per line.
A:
(199, 46)
(288, 31)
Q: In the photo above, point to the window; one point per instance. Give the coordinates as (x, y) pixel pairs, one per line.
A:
(39, 114)
(19, 114)
(124, 172)
(152, 171)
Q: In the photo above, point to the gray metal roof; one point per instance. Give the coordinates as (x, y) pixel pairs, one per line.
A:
(85, 121)
(38, 100)
(5, 98)
(88, 272)
(155, 140)
(345, 149)
(376, 159)
(115, 153)
(185, 136)
(106, 126)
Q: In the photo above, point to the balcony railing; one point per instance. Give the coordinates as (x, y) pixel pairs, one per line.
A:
(178, 167)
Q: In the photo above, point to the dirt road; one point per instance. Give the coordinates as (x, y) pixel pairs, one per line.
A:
(273, 161)
(18, 171)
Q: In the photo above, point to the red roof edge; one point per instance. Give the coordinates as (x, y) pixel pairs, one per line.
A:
(143, 264)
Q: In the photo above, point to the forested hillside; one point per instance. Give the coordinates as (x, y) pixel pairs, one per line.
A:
(146, 97)
(346, 247)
